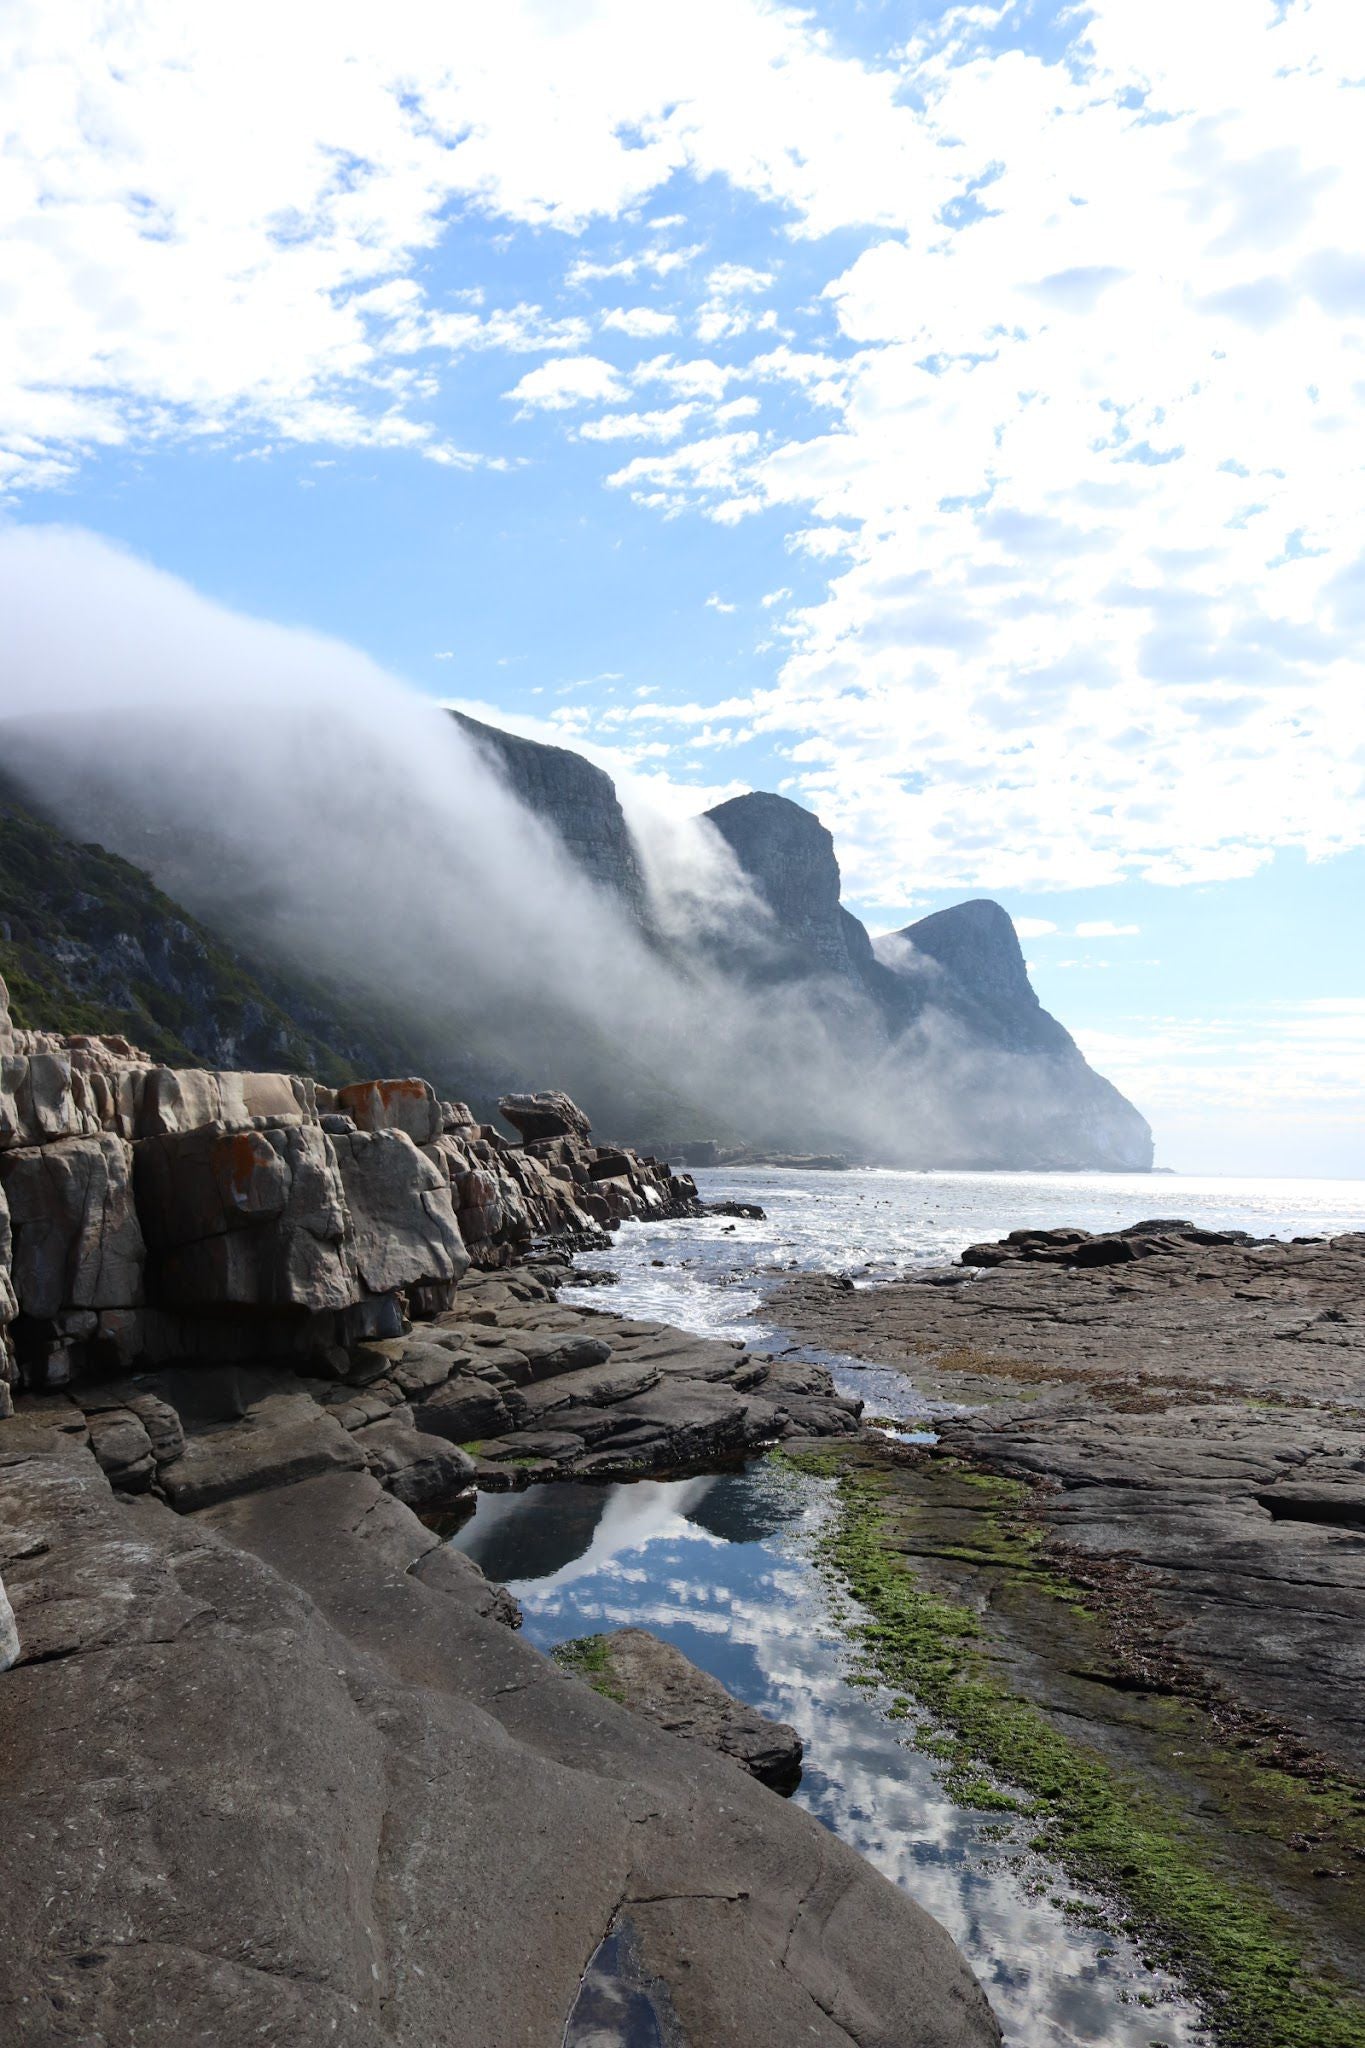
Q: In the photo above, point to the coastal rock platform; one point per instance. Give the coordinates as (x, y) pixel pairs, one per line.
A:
(1190, 1406)
(277, 1772)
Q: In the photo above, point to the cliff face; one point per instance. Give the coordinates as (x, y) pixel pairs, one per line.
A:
(789, 857)
(568, 793)
(1019, 1091)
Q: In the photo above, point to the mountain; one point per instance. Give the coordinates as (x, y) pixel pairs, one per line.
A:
(576, 799)
(955, 982)
(778, 1022)
(89, 943)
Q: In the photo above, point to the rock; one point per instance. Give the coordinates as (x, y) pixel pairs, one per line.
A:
(655, 1679)
(253, 1218)
(36, 1100)
(1194, 1415)
(421, 1470)
(123, 1448)
(188, 1099)
(463, 1411)
(409, 1106)
(403, 1228)
(282, 1437)
(76, 1239)
(548, 1114)
(9, 1632)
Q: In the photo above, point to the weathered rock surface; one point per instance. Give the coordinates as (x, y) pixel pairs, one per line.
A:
(655, 1679)
(577, 800)
(1193, 1410)
(267, 1776)
(144, 1210)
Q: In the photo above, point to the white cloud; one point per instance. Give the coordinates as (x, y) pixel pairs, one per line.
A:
(1274, 1089)
(567, 381)
(194, 235)
(718, 604)
(1101, 928)
(1096, 460)
(640, 320)
(1034, 927)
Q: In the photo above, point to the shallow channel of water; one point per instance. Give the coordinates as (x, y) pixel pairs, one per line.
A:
(721, 1565)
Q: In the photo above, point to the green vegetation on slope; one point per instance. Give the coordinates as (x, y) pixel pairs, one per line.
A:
(89, 943)
(1236, 1951)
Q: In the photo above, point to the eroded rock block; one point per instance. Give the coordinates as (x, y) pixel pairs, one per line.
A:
(548, 1113)
(409, 1105)
(36, 1101)
(402, 1219)
(77, 1243)
(253, 1218)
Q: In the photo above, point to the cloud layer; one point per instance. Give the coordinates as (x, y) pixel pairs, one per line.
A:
(1049, 360)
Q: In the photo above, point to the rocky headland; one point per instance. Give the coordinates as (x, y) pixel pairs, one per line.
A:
(1141, 1531)
(274, 1764)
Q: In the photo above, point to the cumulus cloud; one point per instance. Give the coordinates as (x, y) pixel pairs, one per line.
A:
(567, 381)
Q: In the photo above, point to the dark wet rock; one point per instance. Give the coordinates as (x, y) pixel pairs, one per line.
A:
(654, 1678)
(266, 1775)
(463, 1410)
(421, 1470)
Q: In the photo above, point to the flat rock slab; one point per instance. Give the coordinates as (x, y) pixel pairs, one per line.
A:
(654, 1678)
(271, 1774)
(1195, 1412)
(283, 1438)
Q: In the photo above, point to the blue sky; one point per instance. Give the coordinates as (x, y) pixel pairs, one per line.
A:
(951, 418)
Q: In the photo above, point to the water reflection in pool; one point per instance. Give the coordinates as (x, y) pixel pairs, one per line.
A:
(720, 1565)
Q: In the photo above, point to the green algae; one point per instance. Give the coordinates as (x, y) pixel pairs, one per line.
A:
(1001, 1752)
(589, 1658)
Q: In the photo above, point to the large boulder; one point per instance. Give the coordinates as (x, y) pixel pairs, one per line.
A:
(549, 1113)
(403, 1223)
(189, 1098)
(36, 1101)
(77, 1242)
(250, 1218)
(408, 1105)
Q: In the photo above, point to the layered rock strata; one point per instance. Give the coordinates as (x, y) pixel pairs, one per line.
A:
(151, 1214)
(1187, 1403)
(276, 1772)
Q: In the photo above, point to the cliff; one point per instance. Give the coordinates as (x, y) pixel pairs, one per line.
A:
(1006, 1084)
(576, 799)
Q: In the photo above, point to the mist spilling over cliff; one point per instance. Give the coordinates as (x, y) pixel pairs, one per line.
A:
(403, 885)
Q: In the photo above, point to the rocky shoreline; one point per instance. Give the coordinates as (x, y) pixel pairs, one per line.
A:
(275, 1766)
(1141, 1532)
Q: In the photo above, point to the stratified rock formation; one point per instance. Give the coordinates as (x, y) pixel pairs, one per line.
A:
(150, 1213)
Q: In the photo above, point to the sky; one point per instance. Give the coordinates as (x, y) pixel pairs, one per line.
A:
(950, 418)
